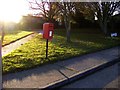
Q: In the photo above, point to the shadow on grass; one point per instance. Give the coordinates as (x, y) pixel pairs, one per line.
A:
(59, 49)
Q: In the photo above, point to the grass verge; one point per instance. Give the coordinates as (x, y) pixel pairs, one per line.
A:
(32, 54)
(14, 35)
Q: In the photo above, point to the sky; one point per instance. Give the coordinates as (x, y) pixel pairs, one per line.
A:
(12, 10)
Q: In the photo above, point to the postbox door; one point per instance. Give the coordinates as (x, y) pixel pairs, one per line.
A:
(45, 30)
(48, 30)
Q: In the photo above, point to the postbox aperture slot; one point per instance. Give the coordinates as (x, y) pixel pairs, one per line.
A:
(50, 33)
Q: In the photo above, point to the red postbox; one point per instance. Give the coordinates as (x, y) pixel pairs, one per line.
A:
(48, 29)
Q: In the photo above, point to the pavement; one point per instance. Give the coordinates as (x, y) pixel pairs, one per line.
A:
(62, 72)
(9, 48)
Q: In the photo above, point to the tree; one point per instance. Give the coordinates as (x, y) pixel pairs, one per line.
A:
(47, 9)
(103, 11)
(52, 10)
(67, 10)
(83, 16)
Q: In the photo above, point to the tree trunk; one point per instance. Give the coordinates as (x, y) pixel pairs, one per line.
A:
(0, 65)
(68, 28)
(2, 37)
(68, 32)
(103, 26)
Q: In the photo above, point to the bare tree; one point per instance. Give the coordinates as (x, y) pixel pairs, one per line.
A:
(47, 9)
(67, 10)
(103, 11)
(51, 10)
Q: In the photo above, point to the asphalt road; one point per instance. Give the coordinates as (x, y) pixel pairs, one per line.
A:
(106, 78)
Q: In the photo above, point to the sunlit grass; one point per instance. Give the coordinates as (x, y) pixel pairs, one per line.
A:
(32, 53)
(14, 35)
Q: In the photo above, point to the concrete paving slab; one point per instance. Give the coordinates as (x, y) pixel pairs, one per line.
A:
(36, 78)
(82, 63)
(87, 61)
(111, 52)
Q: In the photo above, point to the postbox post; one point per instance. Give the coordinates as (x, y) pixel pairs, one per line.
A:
(46, 48)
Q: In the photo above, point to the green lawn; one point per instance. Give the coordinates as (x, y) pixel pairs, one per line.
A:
(11, 36)
(32, 54)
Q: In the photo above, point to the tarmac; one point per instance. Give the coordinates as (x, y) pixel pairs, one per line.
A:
(62, 72)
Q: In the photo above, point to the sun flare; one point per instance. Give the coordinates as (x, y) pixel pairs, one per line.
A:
(12, 10)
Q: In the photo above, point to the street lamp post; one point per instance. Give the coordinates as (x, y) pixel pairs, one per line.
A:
(1, 40)
(0, 65)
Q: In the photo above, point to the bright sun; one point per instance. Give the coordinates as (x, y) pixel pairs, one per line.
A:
(12, 10)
